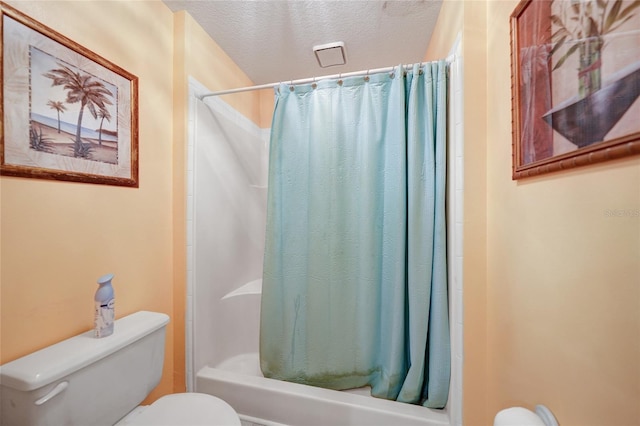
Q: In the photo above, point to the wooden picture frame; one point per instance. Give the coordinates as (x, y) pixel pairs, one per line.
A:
(575, 80)
(67, 113)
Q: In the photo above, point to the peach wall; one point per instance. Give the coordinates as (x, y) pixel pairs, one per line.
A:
(475, 233)
(180, 119)
(449, 25)
(59, 237)
(563, 311)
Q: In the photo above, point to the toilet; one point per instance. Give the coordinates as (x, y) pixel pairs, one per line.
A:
(86, 381)
(520, 416)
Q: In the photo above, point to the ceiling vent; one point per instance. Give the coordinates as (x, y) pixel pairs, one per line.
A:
(330, 54)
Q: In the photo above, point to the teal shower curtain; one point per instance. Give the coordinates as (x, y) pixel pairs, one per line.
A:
(355, 276)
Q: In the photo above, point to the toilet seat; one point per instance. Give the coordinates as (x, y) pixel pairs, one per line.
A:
(187, 409)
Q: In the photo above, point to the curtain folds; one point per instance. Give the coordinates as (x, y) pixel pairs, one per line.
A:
(355, 275)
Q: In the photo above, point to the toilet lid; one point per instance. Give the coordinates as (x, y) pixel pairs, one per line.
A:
(187, 409)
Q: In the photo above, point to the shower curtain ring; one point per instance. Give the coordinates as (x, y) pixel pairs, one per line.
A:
(313, 83)
(366, 76)
(340, 79)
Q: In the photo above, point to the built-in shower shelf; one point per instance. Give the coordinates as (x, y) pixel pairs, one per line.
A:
(252, 287)
(245, 363)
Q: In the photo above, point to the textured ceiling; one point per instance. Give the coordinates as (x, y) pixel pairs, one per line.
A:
(272, 40)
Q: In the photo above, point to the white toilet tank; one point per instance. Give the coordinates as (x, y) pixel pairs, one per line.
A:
(85, 380)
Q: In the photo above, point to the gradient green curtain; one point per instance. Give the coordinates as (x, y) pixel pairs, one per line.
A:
(355, 276)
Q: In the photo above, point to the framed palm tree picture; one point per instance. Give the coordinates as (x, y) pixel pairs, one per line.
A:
(575, 67)
(67, 113)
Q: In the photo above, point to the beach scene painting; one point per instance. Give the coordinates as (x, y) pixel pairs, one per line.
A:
(72, 112)
(68, 114)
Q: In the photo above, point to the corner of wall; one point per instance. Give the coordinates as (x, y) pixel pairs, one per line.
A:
(180, 102)
(447, 29)
(475, 214)
(468, 18)
(195, 56)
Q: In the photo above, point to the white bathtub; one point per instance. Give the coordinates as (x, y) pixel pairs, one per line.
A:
(273, 402)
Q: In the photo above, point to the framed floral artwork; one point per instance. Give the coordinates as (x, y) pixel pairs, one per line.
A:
(575, 69)
(67, 113)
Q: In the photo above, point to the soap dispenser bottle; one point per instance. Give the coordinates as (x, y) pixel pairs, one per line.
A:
(104, 303)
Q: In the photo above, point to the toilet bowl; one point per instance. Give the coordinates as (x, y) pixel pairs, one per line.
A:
(183, 409)
(88, 381)
(520, 416)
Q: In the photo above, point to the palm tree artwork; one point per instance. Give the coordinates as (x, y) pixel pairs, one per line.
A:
(59, 107)
(104, 115)
(85, 89)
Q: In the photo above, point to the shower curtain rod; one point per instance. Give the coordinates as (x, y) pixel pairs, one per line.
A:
(308, 80)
